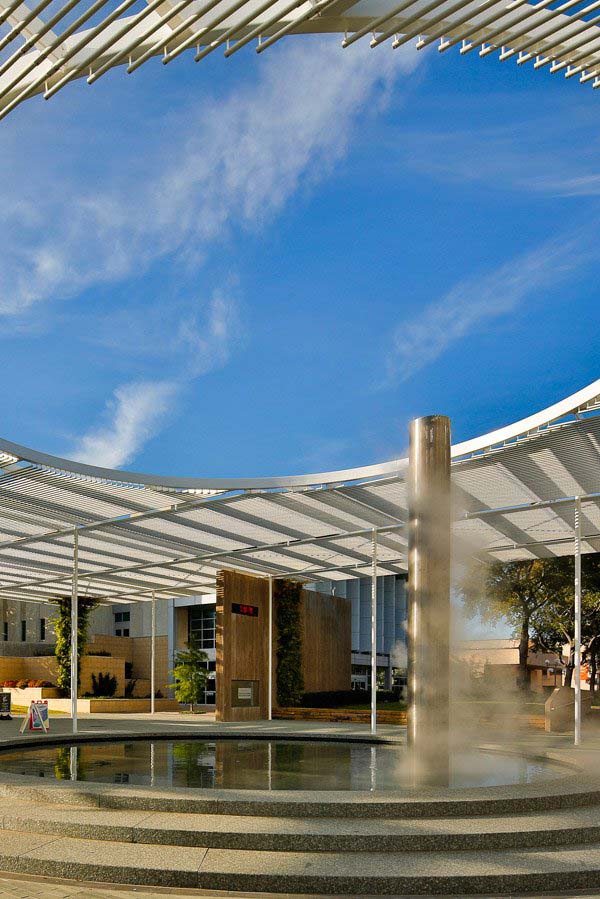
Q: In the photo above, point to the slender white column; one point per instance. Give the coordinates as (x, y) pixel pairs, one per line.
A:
(374, 634)
(153, 656)
(577, 671)
(74, 630)
(270, 656)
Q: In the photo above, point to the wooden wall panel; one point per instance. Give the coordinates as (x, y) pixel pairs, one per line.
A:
(241, 643)
(327, 656)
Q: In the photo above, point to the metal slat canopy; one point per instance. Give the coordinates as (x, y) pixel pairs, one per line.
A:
(140, 536)
(45, 46)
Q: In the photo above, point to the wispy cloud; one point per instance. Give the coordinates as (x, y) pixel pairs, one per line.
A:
(548, 153)
(137, 411)
(74, 221)
(469, 304)
(237, 160)
(133, 415)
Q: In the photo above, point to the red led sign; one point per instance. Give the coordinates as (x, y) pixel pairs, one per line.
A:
(240, 609)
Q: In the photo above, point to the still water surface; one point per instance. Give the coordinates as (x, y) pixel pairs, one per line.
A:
(263, 765)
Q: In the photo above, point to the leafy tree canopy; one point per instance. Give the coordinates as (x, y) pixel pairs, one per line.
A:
(190, 673)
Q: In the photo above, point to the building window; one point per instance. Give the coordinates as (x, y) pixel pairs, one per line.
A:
(202, 626)
(6, 631)
(23, 631)
(120, 618)
(42, 629)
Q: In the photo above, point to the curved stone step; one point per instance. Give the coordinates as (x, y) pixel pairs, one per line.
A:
(574, 826)
(493, 801)
(376, 873)
(408, 873)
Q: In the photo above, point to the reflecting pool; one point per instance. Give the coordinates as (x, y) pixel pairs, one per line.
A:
(264, 765)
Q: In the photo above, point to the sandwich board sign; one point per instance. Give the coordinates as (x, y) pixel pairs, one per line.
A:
(37, 717)
(5, 699)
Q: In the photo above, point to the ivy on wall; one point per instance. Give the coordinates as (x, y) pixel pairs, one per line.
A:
(288, 619)
(62, 629)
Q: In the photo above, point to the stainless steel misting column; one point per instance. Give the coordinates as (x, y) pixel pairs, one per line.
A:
(429, 596)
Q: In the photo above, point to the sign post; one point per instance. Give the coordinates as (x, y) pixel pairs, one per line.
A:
(37, 717)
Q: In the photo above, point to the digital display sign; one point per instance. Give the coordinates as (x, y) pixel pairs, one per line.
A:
(241, 609)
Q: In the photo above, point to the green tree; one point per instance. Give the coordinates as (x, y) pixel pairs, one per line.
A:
(62, 629)
(519, 593)
(190, 673)
(554, 630)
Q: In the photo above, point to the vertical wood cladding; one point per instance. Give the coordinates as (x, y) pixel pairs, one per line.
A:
(327, 656)
(242, 642)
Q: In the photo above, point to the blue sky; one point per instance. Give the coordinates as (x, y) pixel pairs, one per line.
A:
(268, 265)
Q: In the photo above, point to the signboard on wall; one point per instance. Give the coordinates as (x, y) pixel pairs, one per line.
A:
(244, 693)
(240, 609)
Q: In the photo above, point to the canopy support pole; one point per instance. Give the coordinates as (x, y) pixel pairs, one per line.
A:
(374, 632)
(74, 632)
(153, 657)
(270, 654)
(577, 671)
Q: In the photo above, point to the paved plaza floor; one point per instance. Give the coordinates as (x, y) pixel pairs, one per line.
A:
(174, 722)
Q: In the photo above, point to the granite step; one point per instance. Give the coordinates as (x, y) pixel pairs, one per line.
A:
(406, 873)
(372, 873)
(573, 826)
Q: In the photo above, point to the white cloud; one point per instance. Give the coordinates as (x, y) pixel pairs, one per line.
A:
(74, 217)
(207, 345)
(224, 163)
(419, 341)
(135, 412)
(558, 158)
(138, 410)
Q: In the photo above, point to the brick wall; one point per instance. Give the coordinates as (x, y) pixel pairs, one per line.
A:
(119, 647)
(141, 661)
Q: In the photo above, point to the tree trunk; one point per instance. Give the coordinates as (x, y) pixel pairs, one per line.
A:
(569, 672)
(523, 679)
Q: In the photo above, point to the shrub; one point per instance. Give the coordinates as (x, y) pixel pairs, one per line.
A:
(100, 652)
(337, 699)
(130, 688)
(290, 678)
(22, 684)
(62, 629)
(104, 685)
(9, 683)
(128, 670)
(159, 694)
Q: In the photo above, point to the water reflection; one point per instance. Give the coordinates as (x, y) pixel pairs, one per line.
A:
(264, 765)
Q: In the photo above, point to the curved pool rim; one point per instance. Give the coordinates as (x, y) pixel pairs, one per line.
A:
(576, 788)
